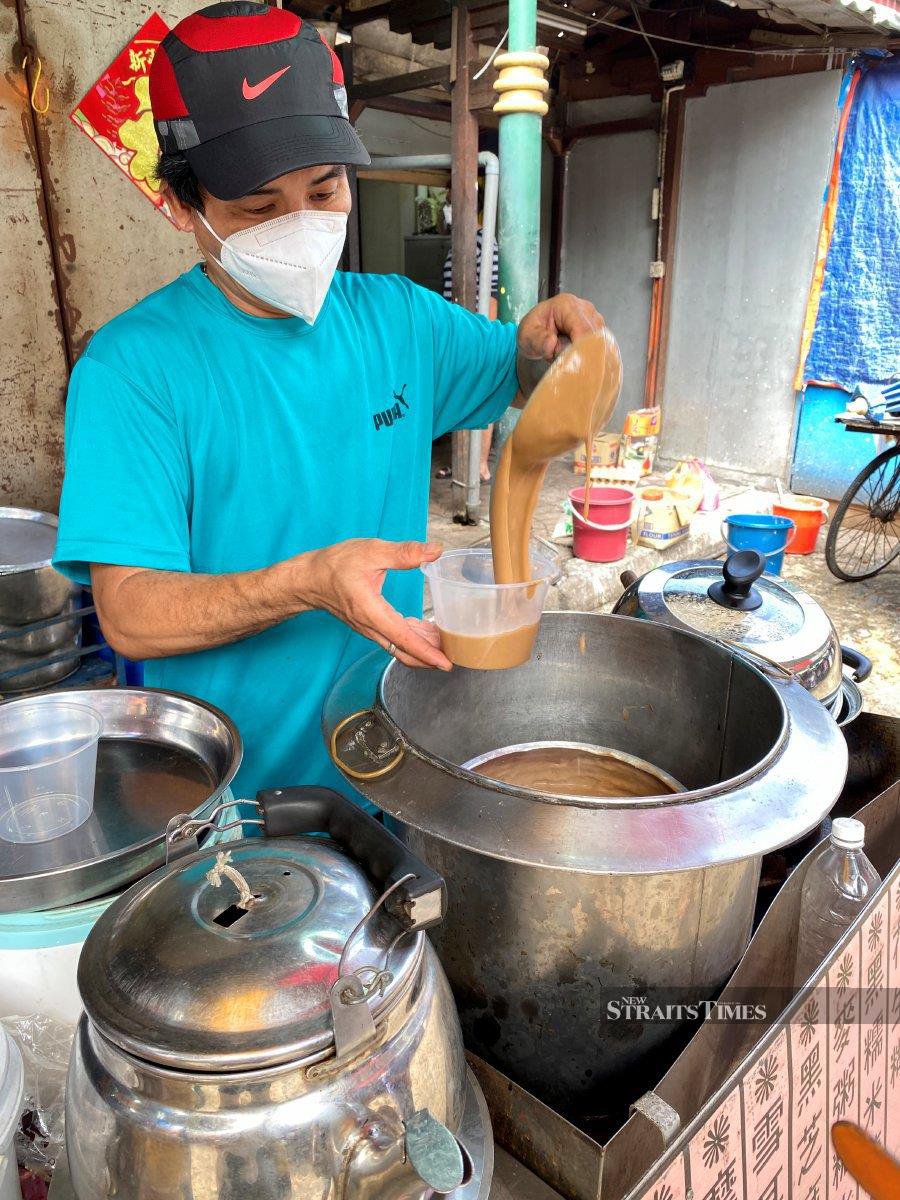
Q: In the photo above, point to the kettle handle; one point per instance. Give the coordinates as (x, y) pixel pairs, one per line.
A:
(417, 904)
(860, 665)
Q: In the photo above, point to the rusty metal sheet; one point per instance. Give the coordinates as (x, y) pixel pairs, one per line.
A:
(114, 247)
(32, 357)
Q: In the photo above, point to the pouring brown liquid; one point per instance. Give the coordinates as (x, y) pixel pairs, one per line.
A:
(578, 393)
(574, 771)
(573, 400)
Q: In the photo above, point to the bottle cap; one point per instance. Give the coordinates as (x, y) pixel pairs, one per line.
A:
(848, 833)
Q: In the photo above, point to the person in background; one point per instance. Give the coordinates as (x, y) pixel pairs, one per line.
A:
(487, 433)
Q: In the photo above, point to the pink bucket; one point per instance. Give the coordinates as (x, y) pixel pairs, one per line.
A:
(603, 537)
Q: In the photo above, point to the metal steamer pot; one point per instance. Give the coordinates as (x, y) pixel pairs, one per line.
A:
(32, 591)
(560, 905)
(762, 614)
(262, 1022)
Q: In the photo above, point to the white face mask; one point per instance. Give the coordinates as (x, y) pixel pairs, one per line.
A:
(288, 262)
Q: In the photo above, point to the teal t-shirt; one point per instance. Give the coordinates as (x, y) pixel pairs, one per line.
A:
(201, 439)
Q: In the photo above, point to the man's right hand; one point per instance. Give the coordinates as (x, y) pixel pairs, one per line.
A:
(153, 614)
(346, 580)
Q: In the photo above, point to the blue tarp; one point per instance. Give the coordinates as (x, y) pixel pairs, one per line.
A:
(857, 333)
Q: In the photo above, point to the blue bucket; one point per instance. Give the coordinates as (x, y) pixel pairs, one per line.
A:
(760, 531)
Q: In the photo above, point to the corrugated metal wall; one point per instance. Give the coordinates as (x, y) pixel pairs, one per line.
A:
(112, 246)
(609, 237)
(756, 157)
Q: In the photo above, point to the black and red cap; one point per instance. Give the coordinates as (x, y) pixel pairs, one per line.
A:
(249, 92)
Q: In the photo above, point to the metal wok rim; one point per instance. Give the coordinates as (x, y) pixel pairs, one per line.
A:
(27, 514)
(709, 792)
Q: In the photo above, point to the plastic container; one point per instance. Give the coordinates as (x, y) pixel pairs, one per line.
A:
(486, 625)
(603, 535)
(39, 951)
(48, 760)
(838, 884)
(768, 534)
(809, 515)
(12, 1095)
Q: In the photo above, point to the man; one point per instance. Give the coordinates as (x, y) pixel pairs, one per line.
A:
(248, 448)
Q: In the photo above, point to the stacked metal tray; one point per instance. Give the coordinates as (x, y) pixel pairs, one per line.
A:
(160, 754)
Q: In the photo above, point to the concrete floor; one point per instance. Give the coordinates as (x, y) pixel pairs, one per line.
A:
(866, 615)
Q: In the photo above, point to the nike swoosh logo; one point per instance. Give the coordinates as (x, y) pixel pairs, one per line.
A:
(253, 90)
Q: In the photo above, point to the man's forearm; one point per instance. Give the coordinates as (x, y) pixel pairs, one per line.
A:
(153, 614)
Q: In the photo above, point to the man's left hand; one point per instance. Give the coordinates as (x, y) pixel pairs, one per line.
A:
(546, 328)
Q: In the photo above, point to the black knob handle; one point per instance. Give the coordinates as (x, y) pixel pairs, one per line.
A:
(739, 572)
(859, 664)
(294, 811)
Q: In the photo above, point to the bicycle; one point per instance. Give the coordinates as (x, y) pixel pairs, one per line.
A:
(864, 536)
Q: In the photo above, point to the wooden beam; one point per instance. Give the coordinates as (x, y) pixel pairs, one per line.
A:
(668, 216)
(396, 85)
(481, 91)
(464, 183)
(555, 136)
(411, 108)
(439, 179)
(574, 133)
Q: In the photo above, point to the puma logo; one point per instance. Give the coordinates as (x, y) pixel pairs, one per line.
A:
(386, 418)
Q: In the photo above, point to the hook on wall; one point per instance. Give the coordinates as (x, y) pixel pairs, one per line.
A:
(38, 68)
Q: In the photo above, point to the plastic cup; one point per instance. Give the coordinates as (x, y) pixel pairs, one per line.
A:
(48, 760)
(486, 625)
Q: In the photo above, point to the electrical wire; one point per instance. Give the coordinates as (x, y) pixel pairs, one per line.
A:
(788, 51)
(650, 46)
(496, 50)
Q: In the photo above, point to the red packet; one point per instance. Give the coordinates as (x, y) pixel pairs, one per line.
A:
(116, 116)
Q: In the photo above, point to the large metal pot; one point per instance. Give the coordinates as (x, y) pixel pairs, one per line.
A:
(31, 591)
(767, 615)
(263, 1023)
(560, 905)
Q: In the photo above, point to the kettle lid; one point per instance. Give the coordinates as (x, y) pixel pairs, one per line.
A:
(737, 602)
(225, 960)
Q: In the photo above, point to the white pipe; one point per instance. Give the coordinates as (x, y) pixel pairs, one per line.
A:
(491, 165)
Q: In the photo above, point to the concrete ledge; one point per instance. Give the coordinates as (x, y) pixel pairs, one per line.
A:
(594, 587)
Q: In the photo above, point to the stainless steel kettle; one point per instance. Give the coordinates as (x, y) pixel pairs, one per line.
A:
(261, 1022)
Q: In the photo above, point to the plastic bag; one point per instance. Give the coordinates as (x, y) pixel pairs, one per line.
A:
(45, 1045)
(691, 479)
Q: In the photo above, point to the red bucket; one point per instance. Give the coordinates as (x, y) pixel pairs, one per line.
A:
(603, 536)
(808, 515)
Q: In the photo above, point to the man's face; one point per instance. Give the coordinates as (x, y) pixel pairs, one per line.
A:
(322, 189)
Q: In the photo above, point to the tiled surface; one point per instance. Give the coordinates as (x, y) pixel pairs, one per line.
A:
(838, 1059)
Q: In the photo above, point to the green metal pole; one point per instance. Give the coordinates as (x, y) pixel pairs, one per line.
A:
(520, 194)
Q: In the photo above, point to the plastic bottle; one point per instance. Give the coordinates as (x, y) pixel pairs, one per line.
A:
(837, 886)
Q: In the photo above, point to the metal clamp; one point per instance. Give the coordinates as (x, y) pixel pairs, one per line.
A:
(183, 831)
(386, 754)
(659, 1113)
(352, 1020)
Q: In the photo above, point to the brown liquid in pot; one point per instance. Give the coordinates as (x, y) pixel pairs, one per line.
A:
(573, 771)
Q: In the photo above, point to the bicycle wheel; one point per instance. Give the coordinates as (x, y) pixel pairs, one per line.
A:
(865, 532)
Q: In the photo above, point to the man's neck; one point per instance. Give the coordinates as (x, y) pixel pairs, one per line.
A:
(238, 296)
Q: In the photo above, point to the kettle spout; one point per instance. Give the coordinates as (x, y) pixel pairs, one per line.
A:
(410, 1160)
